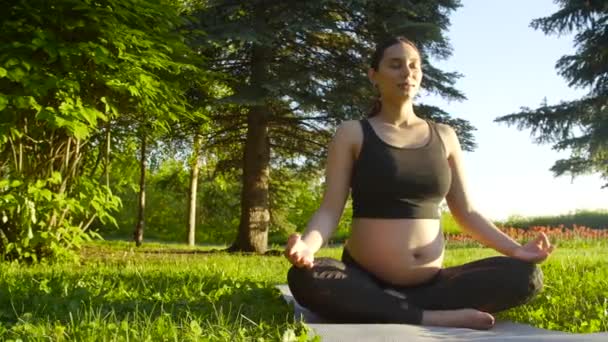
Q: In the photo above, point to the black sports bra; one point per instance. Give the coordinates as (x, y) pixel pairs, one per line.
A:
(393, 182)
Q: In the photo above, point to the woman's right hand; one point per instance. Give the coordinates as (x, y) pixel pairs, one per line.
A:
(298, 252)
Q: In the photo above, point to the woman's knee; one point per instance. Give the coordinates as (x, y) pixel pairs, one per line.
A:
(516, 281)
(534, 279)
(309, 284)
(527, 277)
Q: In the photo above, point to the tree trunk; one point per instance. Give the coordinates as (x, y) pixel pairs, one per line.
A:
(108, 149)
(138, 235)
(194, 168)
(255, 217)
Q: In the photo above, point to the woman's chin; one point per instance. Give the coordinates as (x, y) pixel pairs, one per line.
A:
(407, 95)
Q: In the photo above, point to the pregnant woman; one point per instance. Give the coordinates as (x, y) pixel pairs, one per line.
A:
(398, 168)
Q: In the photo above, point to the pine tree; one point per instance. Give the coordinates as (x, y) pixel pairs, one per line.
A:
(580, 126)
(299, 69)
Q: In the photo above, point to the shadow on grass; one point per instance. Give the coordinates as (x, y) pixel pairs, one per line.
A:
(273, 252)
(91, 251)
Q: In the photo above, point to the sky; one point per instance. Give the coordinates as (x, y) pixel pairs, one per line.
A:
(506, 64)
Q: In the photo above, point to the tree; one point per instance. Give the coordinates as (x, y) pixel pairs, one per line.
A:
(298, 70)
(68, 67)
(580, 126)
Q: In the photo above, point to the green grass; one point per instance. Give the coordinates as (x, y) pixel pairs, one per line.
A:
(122, 293)
(575, 293)
(178, 293)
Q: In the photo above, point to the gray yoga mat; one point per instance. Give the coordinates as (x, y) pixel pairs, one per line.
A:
(502, 331)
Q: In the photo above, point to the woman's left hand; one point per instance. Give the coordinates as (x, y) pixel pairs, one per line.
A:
(536, 250)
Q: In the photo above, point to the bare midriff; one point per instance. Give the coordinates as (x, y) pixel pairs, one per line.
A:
(404, 252)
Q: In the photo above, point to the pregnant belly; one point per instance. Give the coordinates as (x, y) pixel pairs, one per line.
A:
(403, 252)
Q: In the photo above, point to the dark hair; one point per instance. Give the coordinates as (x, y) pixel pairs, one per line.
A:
(375, 63)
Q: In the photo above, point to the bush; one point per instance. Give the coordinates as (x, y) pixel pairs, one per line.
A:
(595, 219)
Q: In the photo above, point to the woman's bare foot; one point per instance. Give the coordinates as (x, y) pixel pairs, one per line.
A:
(462, 318)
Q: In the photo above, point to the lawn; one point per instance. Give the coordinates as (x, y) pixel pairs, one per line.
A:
(172, 292)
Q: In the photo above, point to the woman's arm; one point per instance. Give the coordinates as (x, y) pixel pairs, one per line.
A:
(340, 158)
(461, 207)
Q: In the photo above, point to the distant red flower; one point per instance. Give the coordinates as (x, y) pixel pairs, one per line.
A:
(560, 232)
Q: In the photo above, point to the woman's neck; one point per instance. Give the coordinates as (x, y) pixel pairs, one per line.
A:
(398, 114)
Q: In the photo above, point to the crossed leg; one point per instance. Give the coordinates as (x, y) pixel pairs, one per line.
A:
(344, 292)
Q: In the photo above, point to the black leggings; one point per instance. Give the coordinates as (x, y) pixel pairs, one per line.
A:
(343, 292)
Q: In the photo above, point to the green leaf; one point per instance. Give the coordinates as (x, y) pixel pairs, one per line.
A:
(80, 131)
(51, 51)
(2, 72)
(108, 108)
(91, 115)
(39, 184)
(46, 114)
(16, 74)
(46, 194)
(133, 90)
(37, 42)
(15, 132)
(196, 328)
(27, 65)
(3, 102)
(11, 62)
(23, 102)
(55, 178)
(8, 198)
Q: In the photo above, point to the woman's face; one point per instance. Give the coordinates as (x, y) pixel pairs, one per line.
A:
(399, 73)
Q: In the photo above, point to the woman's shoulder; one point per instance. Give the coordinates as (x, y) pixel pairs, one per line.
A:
(448, 135)
(349, 133)
(350, 124)
(350, 128)
(440, 125)
(444, 129)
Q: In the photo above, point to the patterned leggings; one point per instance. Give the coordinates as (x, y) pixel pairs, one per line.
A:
(344, 292)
